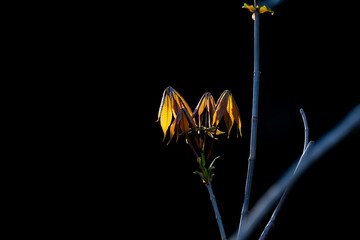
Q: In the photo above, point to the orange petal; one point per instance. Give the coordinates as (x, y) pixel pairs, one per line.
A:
(199, 109)
(220, 107)
(227, 109)
(178, 102)
(165, 114)
(235, 114)
(181, 124)
(211, 108)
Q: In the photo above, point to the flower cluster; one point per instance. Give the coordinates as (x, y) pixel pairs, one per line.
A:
(176, 115)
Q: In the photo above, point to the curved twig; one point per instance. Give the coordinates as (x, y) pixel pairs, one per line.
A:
(306, 129)
(314, 151)
(271, 222)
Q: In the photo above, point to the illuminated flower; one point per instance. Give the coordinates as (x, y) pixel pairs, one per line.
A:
(227, 109)
(171, 104)
(205, 118)
(262, 9)
(197, 125)
(181, 124)
(205, 110)
(211, 113)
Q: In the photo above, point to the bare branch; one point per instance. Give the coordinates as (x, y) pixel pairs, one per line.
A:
(306, 129)
(271, 222)
(216, 210)
(254, 118)
(313, 152)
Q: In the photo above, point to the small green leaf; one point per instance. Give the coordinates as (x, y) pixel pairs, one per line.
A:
(199, 160)
(213, 161)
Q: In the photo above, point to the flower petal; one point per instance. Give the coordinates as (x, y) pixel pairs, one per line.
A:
(249, 7)
(210, 104)
(177, 102)
(172, 130)
(181, 124)
(227, 109)
(165, 114)
(228, 116)
(220, 108)
(235, 114)
(199, 109)
(171, 103)
(264, 9)
(162, 104)
(205, 109)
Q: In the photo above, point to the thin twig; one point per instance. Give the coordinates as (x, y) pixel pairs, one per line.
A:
(216, 210)
(349, 124)
(306, 129)
(271, 222)
(254, 118)
(210, 149)
(191, 146)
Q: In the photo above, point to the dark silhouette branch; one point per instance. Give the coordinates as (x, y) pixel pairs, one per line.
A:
(271, 222)
(349, 124)
(254, 118)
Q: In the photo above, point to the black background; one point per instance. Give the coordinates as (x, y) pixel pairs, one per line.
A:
(124, 181)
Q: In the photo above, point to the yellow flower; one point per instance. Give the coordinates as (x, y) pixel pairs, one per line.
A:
(181, 124)
(208, 116)
(212, 113)
(249, 7)
(205, 109)
(262, 9)
(227, 109)
(205, 118)
(171, 104)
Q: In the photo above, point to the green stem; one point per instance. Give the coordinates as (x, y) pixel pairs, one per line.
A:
(206, 176)
(216, 210)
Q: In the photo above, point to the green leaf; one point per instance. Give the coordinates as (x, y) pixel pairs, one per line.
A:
(213, 161)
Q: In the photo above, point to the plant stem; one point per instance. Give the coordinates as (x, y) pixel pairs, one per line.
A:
(254, 118)
(306, 129)
(314, 151)
(271, 222)
(216, 210)
(191, 146)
